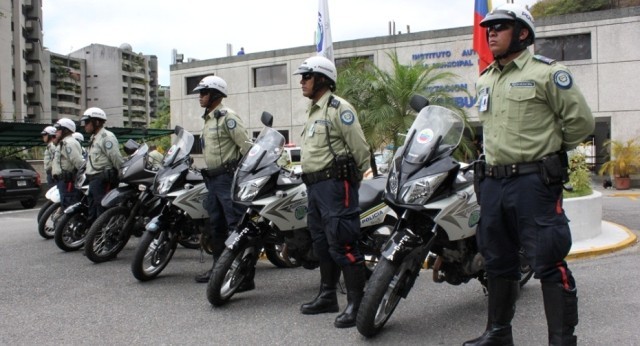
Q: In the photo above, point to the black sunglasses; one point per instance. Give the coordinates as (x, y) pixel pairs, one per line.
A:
(204, 92)
(306, 76)
(499, 27)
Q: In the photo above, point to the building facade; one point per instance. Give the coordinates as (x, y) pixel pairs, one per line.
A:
(600, 48)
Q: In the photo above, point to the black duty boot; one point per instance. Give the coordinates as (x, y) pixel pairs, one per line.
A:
(354, 279)
(327, 300)
(502, 298)
(561, 308)
(248, 284)
(217, 252)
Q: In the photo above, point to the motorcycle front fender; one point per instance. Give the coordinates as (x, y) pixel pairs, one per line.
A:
(238, 239)
(400, 245)
(74, 208)
(118, 196)
(155, 225)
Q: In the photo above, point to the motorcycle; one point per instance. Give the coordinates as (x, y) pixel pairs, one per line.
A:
(125, 207)
(49, 213)
(434, 196)
(71, 227)
(276, 201)
(179, 191)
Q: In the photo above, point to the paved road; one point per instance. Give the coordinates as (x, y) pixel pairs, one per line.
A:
(48, 297)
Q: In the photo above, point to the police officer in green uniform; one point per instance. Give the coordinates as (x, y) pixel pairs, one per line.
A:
(224, 141)
(335, 156)
(155, 157)
(104, 159)
(49, 138)
(532, 113)
(66, 162)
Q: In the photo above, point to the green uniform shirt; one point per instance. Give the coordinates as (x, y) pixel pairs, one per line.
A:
(67, 156)
(48, 156)
(155, 159)
(343, 128)
(530, 109)
(104, 152)
(224, 137)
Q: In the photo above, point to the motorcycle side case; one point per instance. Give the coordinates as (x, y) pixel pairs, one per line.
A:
(118, 195)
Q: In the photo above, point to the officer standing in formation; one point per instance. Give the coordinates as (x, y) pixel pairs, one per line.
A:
(532, 113)
(49, 138)
(225, 140)
(66, 162)
(335, 156)
(104, 159)
(80, 138)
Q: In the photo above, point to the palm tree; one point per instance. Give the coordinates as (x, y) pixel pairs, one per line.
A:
(382, 97)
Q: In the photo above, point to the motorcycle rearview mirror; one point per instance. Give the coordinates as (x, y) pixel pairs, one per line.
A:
(130, 146)
(418, 102)
(267, 119)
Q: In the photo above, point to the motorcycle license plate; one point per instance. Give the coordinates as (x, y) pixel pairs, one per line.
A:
(22, 183)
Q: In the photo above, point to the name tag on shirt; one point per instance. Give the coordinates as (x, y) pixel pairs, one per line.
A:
(483, 100)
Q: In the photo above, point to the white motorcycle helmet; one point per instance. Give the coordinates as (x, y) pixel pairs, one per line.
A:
(518, 14)
(78, 136)
(93, 113)
(321, 65)
(65, 123)
(49, 130)
(212, 82)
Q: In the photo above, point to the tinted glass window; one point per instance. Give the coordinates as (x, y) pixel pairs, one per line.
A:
(14, 165)
(565, 48)
(269, 75)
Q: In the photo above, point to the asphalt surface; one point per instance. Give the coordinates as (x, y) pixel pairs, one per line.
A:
(49, 297)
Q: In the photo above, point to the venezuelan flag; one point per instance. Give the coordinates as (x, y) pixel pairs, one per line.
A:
(479, 34)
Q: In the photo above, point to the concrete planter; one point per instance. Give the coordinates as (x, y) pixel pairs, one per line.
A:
(585, 214)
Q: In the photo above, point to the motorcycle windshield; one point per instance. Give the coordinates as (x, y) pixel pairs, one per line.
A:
(435, 132)
(181, 147)
(137, 155)
(265, 151)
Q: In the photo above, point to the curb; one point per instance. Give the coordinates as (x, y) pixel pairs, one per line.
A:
(596, 251)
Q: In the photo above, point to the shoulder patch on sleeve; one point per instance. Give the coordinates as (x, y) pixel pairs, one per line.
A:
(335, 103)
(562, 79)
(544, 59)
(108, 145)
(347, 117)
(231, 124)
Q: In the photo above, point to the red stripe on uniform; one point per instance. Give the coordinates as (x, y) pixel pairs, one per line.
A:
(346, 194)
(563, 274)
(348, 254)
(559, 206)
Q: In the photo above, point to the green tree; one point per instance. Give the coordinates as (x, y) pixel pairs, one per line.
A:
(548, 8)
(382, 97)
(162, 121)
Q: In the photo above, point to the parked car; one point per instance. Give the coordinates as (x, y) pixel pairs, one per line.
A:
(19, 182)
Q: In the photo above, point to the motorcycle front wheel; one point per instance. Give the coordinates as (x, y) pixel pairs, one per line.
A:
(153, 253)
(385, 288)
(107, 236)
(46, 222)
(71, 231)
(229, 272)
(43, 208)
(275, 256)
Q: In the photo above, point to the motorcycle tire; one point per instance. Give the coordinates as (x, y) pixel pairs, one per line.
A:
(372, 242)
(385, 288)
(229, 272)
(107, 235)
(190, 236)
(274, 255)
(47, 221)
(153, 253)
(43, 208)
(71, 231)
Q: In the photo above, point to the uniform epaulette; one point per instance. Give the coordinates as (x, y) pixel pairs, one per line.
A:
(544, 59)
(335, 103)
(486, 69)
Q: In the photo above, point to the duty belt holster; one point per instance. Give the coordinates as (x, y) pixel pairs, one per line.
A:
(315, 177)
(553, 168)
(228, 167)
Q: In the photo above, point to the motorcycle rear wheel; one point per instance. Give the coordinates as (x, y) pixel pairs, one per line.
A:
(46, 222)
(71, 231)
(153, 253)
(107, 236)
(229, 272)
(383, 293)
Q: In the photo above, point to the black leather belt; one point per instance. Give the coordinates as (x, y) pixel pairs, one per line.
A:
(512, 170)
(214, 172)
(315, 177)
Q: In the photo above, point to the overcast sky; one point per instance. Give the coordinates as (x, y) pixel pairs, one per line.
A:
(202, 29)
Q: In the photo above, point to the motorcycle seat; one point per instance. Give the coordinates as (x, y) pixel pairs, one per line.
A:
(371, 192)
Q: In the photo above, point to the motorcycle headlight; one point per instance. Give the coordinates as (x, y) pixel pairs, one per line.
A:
(420, 190)
(392, 180)
(249, 189)
(165, 183)
(123, 171)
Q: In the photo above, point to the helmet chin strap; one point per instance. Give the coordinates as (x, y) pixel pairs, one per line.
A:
(212, 99)
(515, 46)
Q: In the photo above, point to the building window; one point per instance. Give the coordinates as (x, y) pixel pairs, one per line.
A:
(270, 75)
(565, 48)
(192, 83)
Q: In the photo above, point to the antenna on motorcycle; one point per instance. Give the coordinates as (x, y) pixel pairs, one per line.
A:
(418, 102)
(267, 119)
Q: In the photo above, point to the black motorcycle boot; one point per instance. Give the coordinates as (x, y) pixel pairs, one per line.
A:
(354, 279)
(248, 284)
(216, 248)
(561, 309)
(327, 299)
(503, 294)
